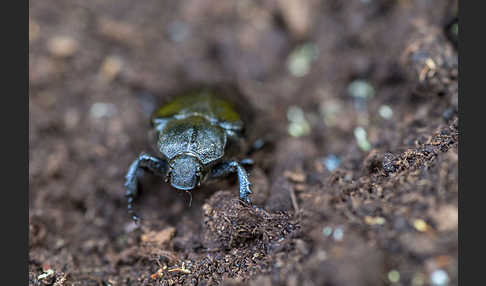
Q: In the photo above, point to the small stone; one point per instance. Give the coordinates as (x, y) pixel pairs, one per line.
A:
(160, 238)
(374, 220)
(297, 15)
(385, 111)
(394, 276)
(418, 279)
(446, 218)
(338, 234)
(439, 278)
(47, 274)
(101, 109)
(332, 162)
(321, 255)
(327, 231)
(361, 89)
(62, 46)
(110, 68)
(298, 124)
(420, 225)
(360, 135)
(300, 59)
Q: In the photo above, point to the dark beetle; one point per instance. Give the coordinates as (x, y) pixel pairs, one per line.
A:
(193, 133)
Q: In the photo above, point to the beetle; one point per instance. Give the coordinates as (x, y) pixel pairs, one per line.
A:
(193, 134)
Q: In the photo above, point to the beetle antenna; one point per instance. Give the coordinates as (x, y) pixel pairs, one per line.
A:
(190, 197)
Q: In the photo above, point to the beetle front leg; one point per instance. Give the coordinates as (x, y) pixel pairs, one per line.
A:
(143, 162)
(256, 146)
(226, 168)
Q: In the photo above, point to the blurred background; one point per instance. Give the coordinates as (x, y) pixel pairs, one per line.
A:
(358, 102)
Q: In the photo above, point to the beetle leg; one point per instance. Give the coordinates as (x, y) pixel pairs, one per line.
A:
(143, 162)
(247, 162)
(256, 146)
(226, 168)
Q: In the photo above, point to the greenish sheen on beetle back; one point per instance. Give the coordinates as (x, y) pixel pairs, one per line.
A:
(202, 103)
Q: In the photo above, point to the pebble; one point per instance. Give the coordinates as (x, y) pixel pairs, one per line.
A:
(327, 231)
(420, 225)
(338, 234)
(375, 220)
(418, 279)
(332, 162)
(394, 276)
(62, 46)
(385, 111)
(46, 274)
(446, 218)
(439, 278)
(160, 237)
(361, 89)
(298, 124)
(360, 135)
(110, 68)
(321, 255)
(297, 16)
(101, 109)
(301, 58)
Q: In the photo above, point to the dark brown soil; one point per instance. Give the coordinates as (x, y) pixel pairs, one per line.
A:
(386, 215)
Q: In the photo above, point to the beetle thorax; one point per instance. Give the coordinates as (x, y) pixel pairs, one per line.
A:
(194, 135)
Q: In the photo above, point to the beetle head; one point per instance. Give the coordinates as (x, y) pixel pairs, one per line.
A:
(185, 172)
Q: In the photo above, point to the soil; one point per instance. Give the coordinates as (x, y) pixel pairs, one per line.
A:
(362, 196)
